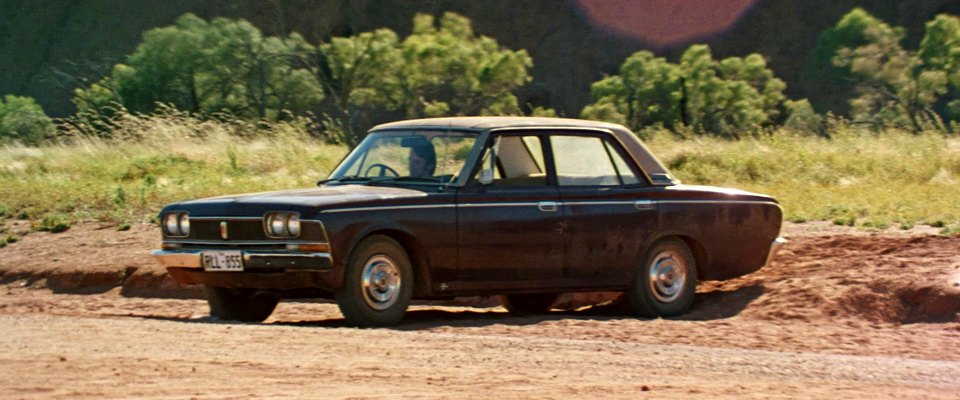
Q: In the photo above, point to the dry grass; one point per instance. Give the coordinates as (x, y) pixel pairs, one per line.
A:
(856, 178)
(175, 158)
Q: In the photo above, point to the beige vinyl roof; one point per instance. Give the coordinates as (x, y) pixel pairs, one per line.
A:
(496, 122)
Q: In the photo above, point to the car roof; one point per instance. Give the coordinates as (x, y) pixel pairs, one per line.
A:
(497, 122)
(640, 153)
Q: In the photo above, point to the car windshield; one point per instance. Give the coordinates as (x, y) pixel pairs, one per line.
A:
(412, 157)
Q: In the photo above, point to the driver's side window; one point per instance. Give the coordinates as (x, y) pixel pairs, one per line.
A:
(513, 161)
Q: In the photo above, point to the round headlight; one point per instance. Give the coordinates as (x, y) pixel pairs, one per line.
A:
(171, 224)
(275, 223)
(184, 224)
(293, 225)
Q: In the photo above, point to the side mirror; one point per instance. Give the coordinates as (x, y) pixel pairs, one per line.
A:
(486, 176)
(489, 163)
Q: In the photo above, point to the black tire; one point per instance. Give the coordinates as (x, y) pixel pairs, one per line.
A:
(525, 304)
(378, 283)
(240, 304)
(666, 281)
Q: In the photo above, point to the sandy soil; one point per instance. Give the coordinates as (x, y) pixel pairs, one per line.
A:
(841, 314)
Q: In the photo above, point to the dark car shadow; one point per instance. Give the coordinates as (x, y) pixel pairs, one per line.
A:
(710, 305)
(722, 304)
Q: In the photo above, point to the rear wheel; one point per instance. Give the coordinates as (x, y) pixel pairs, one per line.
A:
(666, 281)
(522, 304)
(378, 283)
(240, 304)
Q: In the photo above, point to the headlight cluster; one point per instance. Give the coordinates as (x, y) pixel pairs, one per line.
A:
(282, 225)
(176, 224)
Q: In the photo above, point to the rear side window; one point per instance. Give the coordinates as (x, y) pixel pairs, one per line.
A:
(590, 161)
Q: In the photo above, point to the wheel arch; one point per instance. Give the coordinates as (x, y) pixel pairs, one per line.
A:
(417, 254)
(700, 255)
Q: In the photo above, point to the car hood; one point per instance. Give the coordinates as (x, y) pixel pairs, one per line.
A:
(305, 201)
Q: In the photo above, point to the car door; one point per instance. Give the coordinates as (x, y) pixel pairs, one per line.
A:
(607, 215)
(510, 224)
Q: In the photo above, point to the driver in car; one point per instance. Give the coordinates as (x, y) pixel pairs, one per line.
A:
(423, 159)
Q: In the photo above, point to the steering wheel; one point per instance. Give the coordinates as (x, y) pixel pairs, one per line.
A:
(383, 170)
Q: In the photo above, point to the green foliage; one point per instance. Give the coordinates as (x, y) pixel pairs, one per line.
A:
(441, 69)
(359, 76)
(896, 87)
(801, 117)
(54, 223)
(447, 69)
(220, 66)
(727, 97)
(23, 120)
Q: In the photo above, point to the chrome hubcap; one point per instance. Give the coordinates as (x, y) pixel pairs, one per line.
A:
(381, 282)
(667, 275)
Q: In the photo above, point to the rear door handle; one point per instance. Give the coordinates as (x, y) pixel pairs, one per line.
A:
(645, 204)
(548, 206)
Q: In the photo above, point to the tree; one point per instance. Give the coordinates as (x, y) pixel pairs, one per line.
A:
(448, 70)
(648, 90)
(224, 65)
(23, 120)
(896, 87)
(359, 77)
(442, 68)
(723, 98)
(940, 51)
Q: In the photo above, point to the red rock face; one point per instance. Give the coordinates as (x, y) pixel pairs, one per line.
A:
(665, 22)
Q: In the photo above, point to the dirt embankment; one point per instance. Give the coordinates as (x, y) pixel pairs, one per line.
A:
(824, 274)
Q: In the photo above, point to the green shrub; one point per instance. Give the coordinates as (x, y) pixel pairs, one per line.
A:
(23, 120)
(54, 223)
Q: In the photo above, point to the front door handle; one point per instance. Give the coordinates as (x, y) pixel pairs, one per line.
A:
(645, 204)
(548, 206)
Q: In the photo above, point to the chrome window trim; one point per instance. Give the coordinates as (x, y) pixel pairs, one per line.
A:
(505, 204)
(717, 202)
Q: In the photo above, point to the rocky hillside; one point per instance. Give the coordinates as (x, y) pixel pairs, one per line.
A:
(48, 47)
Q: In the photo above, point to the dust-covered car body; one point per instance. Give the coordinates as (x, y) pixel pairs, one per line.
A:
(438, 208)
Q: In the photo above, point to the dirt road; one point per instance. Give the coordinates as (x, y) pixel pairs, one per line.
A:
(166, 349)
(841, 315)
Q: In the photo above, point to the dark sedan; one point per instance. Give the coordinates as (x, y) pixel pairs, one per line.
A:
(524, 208)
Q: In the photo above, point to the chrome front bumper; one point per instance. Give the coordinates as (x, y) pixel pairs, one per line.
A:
(251, 260)
(775, 247)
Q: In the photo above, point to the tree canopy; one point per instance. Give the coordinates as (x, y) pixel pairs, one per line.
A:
(895, 86)
(726, 97)
(223, 65)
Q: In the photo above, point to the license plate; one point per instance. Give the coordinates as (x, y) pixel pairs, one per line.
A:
(222, 260)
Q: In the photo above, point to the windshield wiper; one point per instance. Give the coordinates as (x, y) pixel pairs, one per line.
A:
(425, 180)
(346, 179)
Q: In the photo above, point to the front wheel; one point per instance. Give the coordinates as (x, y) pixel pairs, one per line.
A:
(378, 283)
(666, 281)
(240, 304)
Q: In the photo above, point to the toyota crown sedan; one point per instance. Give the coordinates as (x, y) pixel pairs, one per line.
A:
(518, 207)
